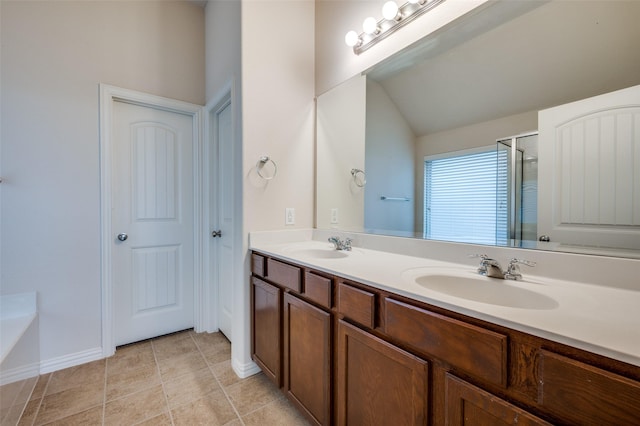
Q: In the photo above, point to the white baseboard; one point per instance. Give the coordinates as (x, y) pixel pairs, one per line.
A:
(71, 360)
(19, 373)
(245, 370)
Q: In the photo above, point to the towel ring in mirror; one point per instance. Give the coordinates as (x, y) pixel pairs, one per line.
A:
(260, 166)
(359, 177)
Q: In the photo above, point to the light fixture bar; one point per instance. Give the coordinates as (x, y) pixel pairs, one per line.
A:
(408, 12)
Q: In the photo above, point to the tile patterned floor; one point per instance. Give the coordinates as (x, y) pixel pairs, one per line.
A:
(179, 379)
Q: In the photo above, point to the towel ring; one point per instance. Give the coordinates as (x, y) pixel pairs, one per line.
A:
(260, 165)
(362, 181)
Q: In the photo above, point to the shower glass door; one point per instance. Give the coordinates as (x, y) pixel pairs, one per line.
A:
(517, 186)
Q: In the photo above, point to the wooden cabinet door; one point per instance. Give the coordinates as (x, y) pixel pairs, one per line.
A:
(307, 358)
(471, 406)
(267, 326)
(378, 383)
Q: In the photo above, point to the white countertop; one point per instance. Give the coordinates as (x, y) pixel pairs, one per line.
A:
(600, 319)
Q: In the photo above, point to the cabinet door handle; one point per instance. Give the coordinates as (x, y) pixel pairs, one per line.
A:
(217, 233)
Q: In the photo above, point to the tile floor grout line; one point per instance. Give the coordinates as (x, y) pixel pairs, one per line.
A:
(28, 399)
(37, 410)
(44, 393)
(104, 393)
(224, 391)
(164, 392)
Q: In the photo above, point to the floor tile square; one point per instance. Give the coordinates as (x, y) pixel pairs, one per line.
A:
(132, 381)
(252, 393)
(136, 407)
(213, 409)
(190, 387)
(70, 401)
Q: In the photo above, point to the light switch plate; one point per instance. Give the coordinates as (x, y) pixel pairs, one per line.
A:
(289, 216)
(334, 215)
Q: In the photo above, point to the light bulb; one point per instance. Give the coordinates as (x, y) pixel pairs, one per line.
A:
(370, 26)
(390, 11)
(351, 39)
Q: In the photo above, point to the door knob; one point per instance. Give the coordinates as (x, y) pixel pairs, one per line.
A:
(217, 233)
(122, 236)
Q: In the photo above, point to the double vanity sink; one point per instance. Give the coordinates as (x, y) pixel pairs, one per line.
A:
(457, 281)
(601, 319)
(332, 328)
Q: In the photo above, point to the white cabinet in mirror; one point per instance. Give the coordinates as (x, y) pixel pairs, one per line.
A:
(459, 90)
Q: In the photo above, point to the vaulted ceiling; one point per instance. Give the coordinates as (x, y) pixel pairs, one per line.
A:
(494, 64)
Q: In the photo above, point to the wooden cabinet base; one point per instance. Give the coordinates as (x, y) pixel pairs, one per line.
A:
(379, 384)
(349, 354)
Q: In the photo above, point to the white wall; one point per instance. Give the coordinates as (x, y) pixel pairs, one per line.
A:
(222, 40)
(389, 157)
(54, 55)
(278, 118)
(224, 72)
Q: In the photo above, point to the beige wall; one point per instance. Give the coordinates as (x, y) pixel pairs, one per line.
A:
(340, 130)
(278, 111)
(54, 55)
(389, 154)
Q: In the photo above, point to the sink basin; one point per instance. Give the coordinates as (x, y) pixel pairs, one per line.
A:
(471, 286)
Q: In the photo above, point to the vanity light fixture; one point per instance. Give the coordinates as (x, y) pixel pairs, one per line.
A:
(370, 26)
(394, 17)
(391, 11)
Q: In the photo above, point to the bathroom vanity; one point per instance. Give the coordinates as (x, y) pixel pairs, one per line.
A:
(346, 349)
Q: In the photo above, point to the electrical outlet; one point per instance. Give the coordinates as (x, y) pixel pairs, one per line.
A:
(334, 215)
(289, 216)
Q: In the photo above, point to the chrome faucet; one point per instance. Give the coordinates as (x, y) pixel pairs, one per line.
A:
(513, 270)
(340, 244)
(491, 267)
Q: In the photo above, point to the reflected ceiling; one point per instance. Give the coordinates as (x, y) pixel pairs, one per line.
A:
(552, 53)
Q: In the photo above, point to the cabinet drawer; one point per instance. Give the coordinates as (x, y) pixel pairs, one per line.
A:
(318, 289)
(257, 264)
(479, 352)
(583, 394)
(284, 275)
(469, 405)
(356, 304)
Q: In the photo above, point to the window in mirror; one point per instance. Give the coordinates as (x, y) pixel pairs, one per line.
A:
(466, 196)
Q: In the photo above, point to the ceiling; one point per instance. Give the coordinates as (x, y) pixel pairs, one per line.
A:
(494, 64)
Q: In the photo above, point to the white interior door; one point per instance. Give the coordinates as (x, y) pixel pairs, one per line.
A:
(222, 212)
(589, 157)
(152, 222)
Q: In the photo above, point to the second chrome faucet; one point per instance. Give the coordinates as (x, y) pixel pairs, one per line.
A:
(491, 268)
(340, 244)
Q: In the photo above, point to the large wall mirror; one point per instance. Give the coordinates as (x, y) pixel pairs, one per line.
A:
(428, 119)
